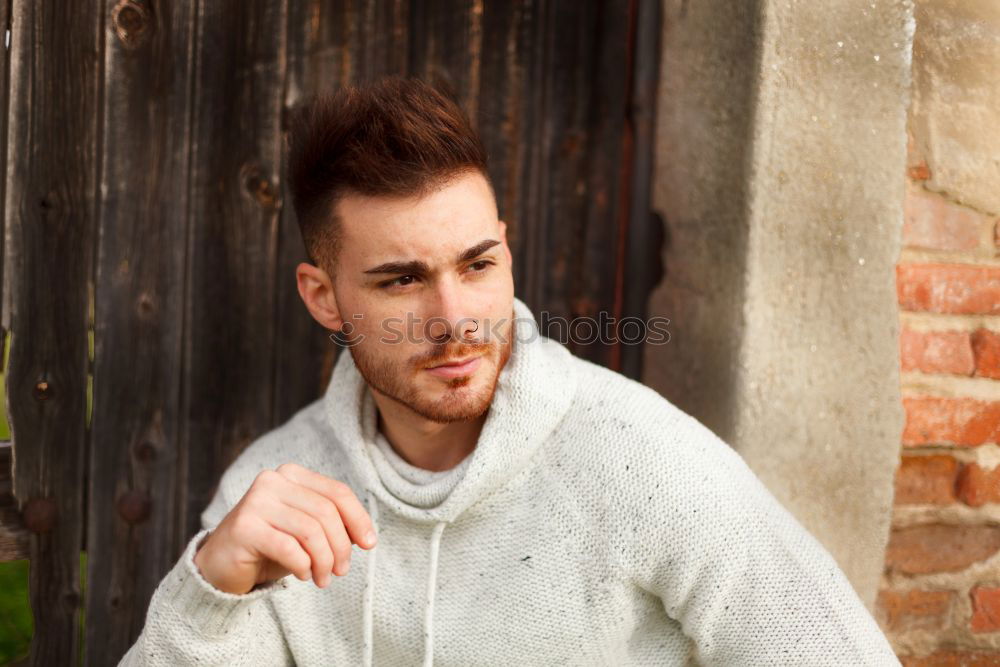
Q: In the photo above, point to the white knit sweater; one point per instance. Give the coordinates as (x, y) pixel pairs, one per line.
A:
(595, 523)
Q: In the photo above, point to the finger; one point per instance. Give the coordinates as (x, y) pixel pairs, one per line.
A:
(307, 530)
(326, 512)
(356, 520)
(275, 545)
(283, 549)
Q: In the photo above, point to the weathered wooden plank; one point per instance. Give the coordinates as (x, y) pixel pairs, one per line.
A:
(554, 114)
(381, 41)
(554, 111)
(445, 48)
(13, 535)
(4, 99)
(50, 204)
(511, 124)
(642, 268)
(131, 541)
(501, 90)
(585, 93)
(228, 392)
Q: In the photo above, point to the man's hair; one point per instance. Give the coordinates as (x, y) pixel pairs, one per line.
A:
(395, 137)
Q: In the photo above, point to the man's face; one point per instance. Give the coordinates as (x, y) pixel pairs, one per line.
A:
(412, 275)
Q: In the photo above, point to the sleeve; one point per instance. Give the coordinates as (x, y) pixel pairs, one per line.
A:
(748, 584)
(190, 622)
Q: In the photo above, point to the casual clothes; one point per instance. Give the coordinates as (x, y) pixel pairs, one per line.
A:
(595, 523)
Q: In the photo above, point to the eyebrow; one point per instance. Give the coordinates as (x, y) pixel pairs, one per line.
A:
(421, 267)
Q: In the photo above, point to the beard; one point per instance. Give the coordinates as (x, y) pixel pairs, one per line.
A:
(459, 399)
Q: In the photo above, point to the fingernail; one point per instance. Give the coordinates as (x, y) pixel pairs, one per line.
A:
(370, 538)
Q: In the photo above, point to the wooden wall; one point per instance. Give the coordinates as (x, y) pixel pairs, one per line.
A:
(149, 305)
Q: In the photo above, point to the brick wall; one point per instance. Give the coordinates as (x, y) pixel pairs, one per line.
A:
(941, 590)
(940, 597)
(939, 601)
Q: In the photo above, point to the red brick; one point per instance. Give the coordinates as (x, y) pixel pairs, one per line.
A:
(977, 485)
(919, 172)
(952, 659)
(985, 609)
(940, 548)
(902, 611)
(926, 480)
(986, 353)
(936, 351)
(916, 165)
(958, 421)
(932, 221)
(961, 289)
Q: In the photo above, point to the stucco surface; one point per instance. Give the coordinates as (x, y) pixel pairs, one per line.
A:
(956, 98)
(780, 160)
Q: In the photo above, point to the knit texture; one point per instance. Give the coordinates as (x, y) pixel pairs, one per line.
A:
(416, 486)
(595, 523)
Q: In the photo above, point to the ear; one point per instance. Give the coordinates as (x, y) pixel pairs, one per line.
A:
(503, 238)
(316, 290)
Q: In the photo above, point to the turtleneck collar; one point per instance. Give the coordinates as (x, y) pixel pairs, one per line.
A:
(412, 485)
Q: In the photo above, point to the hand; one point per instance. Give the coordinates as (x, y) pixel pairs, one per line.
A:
(291, 520)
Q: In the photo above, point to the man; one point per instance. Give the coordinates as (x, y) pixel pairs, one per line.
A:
(529, 507)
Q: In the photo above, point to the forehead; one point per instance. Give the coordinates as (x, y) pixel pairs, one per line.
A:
(455, 216)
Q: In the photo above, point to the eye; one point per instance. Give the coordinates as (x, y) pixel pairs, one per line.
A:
(484, 262)
(397, 282)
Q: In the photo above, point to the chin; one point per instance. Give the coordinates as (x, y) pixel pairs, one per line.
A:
(454, 400)
(453, 409)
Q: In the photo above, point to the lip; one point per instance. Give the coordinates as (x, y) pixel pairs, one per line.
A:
(456, 370)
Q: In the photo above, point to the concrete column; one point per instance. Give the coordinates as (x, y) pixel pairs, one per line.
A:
(781, 151)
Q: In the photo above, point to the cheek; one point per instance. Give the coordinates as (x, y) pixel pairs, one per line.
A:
(496, 301)
(388, 357)
(385, 329)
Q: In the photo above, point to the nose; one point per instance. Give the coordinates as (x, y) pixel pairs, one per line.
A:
(450, 316)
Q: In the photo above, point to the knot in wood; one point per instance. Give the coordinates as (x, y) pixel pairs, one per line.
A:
(40, 514)
(43, 391)
(131, 21)
(134, 506)
(258, 186)
(145, 451)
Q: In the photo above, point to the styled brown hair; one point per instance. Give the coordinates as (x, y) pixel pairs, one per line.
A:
(397, 136)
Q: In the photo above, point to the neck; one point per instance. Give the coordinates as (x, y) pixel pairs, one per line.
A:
(423, 443)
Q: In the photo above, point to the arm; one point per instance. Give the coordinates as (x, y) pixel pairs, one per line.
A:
(747, 583)
(191, 622)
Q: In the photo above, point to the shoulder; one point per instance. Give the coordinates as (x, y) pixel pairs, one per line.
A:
(661, 486)
(669, 482)
(646, 455)
(623, 419)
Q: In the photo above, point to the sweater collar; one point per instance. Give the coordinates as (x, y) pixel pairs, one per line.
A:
(533, 392)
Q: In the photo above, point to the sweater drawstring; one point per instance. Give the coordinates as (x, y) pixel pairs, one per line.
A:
(370, 587)
(431, 589)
